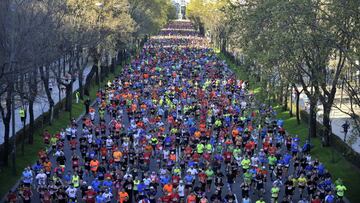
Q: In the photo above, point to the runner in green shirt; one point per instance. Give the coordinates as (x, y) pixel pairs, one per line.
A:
(261, 200)
(218, 123)
(53, 142)
(208, 147)
(247, 177)
(200, 148)
(210, 174)
(245, 163)
(340, 190)
(274, 193)
(272, 162)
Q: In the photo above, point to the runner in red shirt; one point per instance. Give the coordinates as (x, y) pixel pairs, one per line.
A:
(175, 180)
(147, 156)
(73, 144)
(206, 155)
(175, 197)
(90, 195)
(196, 157)
(272, 150)
(202, 179)
(227, 156)
(167, 198)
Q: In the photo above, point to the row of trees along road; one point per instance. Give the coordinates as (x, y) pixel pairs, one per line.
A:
(55, 39)
(305, 44)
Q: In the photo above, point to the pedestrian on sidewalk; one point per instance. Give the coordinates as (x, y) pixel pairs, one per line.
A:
(345, 127)
(77, 95)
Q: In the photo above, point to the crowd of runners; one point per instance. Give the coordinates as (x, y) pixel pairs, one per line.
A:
(177, 126)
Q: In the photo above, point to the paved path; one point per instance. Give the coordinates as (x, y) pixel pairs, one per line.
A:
(337, 118)
(41, 104)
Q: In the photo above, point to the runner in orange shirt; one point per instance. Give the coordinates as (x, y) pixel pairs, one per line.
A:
(173, 156)
(168, 188)
(191, 198)
(47, 166)
(94, 165)
(123, 196)
(117, 156)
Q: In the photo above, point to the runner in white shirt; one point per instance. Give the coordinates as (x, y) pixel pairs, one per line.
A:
(166, 154)
(92, 115)
(109, 143)
(71, 192)
(41, 178)
(107, 195)
(192, 170)
(73, 132)
(68, 132)
(90, 138)
(62, 134)
(181, 189)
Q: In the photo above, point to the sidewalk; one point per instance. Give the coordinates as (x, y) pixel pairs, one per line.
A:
(41, 104)
(337, 118)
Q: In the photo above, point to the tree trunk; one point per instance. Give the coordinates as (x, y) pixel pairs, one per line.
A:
(201, 30)
(64, 64)
(58, 83)
(23, 137)
(32, 122)
(298, 107)
(285, 98)
(327, 125)
(223, 45)
(124, 56)
(33, 93)
(6, 142)
(280, 95)
(80, 76)
(68, 103)
(45, 79)
(6, 122)
(291, 102)
(22, 92)
(97, 75)
(88, 79)
(118, 58)
(312, 117)
(112, 66)
(81, 86)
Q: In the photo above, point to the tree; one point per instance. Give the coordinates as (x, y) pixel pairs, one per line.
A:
(150, 15)
(55, 39)
(20, 21)
(211, 17)
(305, 33)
